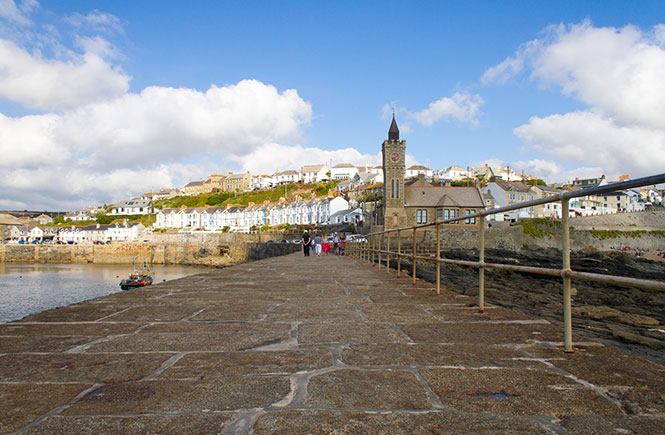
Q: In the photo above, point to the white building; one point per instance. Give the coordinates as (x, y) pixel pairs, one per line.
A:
(342, 171)
(286, 177)
(415, 170)
(314, 173)
(451, 173)
(244, 218)
(132, 207)
(509, 193)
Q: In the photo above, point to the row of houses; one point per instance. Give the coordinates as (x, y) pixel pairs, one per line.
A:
(117, 232)
(312, 211)
(499, 193)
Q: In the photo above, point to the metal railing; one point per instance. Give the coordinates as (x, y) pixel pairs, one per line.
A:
(372, 249)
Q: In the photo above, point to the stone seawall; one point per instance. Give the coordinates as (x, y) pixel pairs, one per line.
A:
(514, 238)
(202, 252)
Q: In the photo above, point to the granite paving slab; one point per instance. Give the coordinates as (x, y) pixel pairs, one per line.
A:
(256, 349)
(367, 389)
(158, 396)
(209, 423)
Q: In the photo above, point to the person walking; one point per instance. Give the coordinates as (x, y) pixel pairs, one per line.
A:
(306, 240)
(318, 241)
(336, 243)
(326, 245)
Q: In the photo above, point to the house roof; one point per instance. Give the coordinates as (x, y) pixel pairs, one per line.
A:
(418, 168)
(344, 165)
(312, 168)
(442, 196)
(134, 203)
(194, 183)
(344, 212)
(512, 186)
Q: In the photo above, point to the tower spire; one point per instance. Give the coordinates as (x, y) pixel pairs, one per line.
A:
(393, 133)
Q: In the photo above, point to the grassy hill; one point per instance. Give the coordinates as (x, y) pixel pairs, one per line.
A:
(244, 198)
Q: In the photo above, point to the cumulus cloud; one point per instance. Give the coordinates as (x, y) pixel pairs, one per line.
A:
(617, 73)
(138, 141)
(17, 14)
(463, 107)
(51, 84)
(272, 157)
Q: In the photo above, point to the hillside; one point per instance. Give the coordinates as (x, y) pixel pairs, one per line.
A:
(244, 198)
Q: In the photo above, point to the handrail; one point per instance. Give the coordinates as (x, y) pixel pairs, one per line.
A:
(374, 243)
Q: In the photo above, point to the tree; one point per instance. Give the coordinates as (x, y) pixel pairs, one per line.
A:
(59, 220)
(103, 219)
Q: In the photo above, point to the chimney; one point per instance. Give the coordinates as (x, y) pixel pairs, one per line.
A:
(331, 194)
(421, 177)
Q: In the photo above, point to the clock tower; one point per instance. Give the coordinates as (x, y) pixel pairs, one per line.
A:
(393, 179)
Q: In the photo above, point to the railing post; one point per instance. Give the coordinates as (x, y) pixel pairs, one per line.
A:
(413, 256)
(481, 270)
(567, 317)
(399, 253)
(380, 239)
(388, 254)
(438, 263)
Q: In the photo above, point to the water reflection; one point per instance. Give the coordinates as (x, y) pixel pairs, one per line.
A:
(31, 288)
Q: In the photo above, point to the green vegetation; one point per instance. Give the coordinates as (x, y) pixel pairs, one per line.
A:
(539, 227)
(536, 182)
(531, 229)
(614, 234)
(104, 219)
(244, 198)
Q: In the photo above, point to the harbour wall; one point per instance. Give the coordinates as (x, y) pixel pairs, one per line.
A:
(209, 252)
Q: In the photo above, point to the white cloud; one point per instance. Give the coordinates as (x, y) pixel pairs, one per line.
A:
(9, 11)
(272, 157)
(96, 20)
(125, 146)
(51, 84)
(462, 107)
(617, 73)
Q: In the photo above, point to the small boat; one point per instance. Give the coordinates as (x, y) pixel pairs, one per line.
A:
(138, 278)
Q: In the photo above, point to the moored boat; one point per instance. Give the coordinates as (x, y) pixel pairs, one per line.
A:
(138, 278)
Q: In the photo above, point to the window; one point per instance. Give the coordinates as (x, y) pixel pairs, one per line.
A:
(470, 220)
(449, 214)
(421, 216)
(439, 213)
(397, 189)
(392, 188)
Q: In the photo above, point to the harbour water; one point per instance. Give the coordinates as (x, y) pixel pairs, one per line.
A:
(31, 288)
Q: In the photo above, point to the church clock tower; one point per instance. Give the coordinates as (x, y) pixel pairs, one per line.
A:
(393, 179)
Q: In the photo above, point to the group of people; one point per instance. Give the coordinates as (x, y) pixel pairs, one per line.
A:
(322, 244)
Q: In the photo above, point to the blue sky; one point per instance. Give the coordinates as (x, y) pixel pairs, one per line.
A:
(120, 88)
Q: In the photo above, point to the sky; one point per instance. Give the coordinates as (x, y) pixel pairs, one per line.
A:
(101, 101)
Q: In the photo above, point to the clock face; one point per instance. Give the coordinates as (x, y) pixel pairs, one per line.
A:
(394, 157)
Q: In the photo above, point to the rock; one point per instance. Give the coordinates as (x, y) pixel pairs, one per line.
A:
(607, 313)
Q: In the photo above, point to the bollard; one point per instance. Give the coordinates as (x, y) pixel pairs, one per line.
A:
(567, 317)
(481, 269)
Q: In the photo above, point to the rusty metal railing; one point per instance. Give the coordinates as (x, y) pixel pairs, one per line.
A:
(372, 249)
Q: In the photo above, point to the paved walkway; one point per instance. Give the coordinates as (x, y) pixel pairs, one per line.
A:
(311, 345)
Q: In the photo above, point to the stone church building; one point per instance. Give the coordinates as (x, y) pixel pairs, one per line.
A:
(418, 201)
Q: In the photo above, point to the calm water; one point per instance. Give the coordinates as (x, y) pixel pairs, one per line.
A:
(31, 288)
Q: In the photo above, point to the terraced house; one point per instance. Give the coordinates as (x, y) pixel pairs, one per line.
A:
(241, 218)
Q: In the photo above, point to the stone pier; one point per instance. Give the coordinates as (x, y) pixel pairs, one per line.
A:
(327, 345)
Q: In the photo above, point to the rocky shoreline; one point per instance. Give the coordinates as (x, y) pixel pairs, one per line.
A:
(628, 318)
